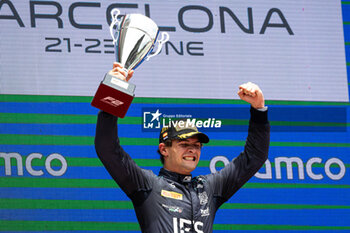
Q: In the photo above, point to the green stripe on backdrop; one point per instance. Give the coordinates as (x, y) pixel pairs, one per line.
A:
(22, 139)
(31, 118)
(67, 226)
(276, 227)
(91, 162)
(132, 226)
(87, 99)
(92, 204)
(45, 99)
(95, 162)
(37, 182)
(28, 182)
(63, 204)
(279, 206)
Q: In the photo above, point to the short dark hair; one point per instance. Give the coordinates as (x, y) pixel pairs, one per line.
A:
(168, 143)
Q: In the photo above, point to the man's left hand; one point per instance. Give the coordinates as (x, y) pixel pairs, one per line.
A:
(252, 94)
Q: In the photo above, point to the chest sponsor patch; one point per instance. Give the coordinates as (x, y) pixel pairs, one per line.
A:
(203, 198)
(175, 209)
(173, 195)
(205, 212)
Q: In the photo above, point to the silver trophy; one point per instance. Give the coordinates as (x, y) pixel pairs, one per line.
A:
(134, 39)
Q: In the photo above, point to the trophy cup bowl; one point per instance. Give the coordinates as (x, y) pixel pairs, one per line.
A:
(134, 40)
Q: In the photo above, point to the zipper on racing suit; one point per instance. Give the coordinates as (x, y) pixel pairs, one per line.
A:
(192, 217)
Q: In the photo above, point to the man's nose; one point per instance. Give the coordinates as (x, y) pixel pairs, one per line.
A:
(191, 149)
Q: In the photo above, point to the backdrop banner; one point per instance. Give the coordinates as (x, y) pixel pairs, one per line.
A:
(293, 49)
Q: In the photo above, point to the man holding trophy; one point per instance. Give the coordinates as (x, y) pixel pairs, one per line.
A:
(174, 201)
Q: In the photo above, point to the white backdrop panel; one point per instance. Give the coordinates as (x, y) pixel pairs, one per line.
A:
(301, 59)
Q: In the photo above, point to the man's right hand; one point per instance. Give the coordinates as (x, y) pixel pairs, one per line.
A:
(118, 72)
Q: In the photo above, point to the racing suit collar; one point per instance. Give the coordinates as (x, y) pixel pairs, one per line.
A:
(175, 176)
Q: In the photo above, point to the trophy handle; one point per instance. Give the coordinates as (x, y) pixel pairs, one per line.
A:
(165, 38)
(115, 21)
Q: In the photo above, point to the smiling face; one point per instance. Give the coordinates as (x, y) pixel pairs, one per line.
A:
(183, 156)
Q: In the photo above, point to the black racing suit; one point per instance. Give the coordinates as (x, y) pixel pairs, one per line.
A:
(174, 203)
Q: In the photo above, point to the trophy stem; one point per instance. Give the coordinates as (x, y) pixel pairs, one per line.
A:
(126, 71)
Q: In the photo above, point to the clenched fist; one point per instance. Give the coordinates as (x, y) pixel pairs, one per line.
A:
(121, 73)
(252, 94)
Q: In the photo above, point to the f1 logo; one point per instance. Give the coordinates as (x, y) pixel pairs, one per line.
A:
(112, 101)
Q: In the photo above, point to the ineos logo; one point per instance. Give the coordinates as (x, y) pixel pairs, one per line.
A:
(181, 225)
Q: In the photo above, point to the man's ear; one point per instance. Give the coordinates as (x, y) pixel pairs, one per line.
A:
(163, 149)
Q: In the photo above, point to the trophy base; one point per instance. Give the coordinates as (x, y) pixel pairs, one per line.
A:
(114, 96)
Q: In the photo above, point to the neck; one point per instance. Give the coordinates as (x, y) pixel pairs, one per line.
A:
(178, 172)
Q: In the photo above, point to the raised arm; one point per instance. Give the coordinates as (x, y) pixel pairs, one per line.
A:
(231, 178)
(130, 177)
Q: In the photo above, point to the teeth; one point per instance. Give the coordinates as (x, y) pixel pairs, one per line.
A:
(190, 158)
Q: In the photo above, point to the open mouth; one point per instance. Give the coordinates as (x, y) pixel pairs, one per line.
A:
(189, 158)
